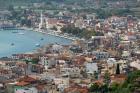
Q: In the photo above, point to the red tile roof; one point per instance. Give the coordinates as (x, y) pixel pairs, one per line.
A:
(28, 79)
(76, 89)
(22, 83)
(40, 87)
(118, 78)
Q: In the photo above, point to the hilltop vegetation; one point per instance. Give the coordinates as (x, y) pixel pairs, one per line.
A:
(131, 85)
(6, 3)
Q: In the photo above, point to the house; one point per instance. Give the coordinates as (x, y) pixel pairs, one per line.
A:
(23, 56)
(78, 61)
(135, 64)
(126, 54)
(91, 68)
(100, 55)
(41, 88)
(76, 49)
(3, 14)
(123, 64)
(57, 48)
(23, 86)
(51, 22)
(91, 16)
(103, 67)
(111, 65)
(97, 40)
(16, 56)
(37, 68)
(61, 83)
(47, 61)
(73, 72)
(120, 78)
(136, 53)
(5, 75)
(44, 61)
(76, 89)
(79, 23)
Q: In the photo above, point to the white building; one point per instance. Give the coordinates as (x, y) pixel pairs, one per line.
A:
(91, 68)
(47, 62)
(135, 64)
(100, 54)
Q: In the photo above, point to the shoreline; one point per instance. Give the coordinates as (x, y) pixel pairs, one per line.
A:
(53, 33)
(17, 30)
(49, 32)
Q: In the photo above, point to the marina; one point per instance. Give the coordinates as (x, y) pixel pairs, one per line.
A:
(53, 33)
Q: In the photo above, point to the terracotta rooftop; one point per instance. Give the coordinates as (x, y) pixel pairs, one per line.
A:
(118, 78)
(28, 79)
(99, 82)
(79, 60)
(76, 89)
(22, 83)
(40, 87)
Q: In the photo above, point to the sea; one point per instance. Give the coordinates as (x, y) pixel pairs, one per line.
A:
(23, 41)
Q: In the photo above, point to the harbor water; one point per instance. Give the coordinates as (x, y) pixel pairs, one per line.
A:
(22, 41)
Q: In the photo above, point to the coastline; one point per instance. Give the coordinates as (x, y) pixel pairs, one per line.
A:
(49, 32)
(52, 32)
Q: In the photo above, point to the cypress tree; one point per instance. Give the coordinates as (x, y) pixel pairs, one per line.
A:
(118, 69)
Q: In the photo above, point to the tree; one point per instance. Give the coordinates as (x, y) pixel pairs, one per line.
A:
(114, 86)
(94, 87)
(107, 78)
(83, 33)
(104, 88)
(95, 75)
(35, 60)
(29, 23)
(118, 69)
(26, 61)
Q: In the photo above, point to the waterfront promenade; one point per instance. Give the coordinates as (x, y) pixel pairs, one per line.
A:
(52, 32)
(49, 32)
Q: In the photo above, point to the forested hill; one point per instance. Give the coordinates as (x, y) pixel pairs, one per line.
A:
(27, 1)
(6, 3)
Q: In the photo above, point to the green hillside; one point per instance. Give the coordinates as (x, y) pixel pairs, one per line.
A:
(6, 3)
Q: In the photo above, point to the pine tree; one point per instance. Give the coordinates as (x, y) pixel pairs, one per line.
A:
(118, 69)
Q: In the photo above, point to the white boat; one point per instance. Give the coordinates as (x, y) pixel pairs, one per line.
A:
(37, 45)
(21, 33)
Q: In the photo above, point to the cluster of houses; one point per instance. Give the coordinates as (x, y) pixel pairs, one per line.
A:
(68, 68)
(73, 68)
